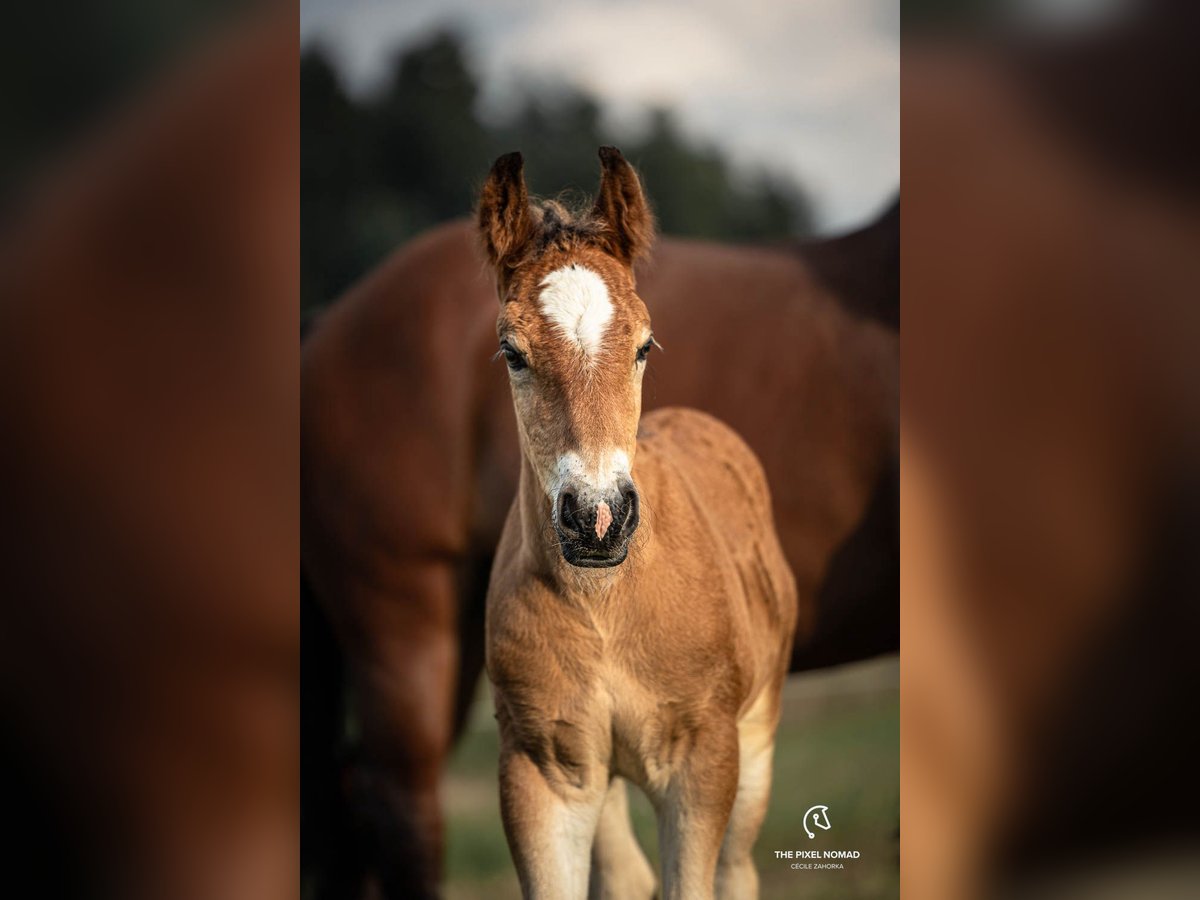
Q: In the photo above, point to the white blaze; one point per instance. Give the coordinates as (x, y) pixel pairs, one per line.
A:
(576, 300)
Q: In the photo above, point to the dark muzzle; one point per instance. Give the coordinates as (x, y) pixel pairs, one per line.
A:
(594, 529)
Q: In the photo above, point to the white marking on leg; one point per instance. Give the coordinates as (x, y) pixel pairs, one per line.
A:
(576, 300)
(571, 828)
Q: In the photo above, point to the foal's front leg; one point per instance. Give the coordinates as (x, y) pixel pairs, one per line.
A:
(737, 879)
(550, 819)
(694, 811)
(620, 870)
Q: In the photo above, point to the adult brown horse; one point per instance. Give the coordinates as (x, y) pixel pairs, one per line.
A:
(149, 401)
(410, 461)
(1051, 483)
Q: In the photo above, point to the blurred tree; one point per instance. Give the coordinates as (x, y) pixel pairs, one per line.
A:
(377, 171)
(334, 177)
(65, 68)
(559, 136)
(426, 136)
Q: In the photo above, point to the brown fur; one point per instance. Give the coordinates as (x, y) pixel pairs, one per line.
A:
(1049, 514)
(411, 462)
(149, 637)
(664, 670)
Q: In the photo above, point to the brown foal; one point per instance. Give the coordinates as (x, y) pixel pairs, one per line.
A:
(640, 612)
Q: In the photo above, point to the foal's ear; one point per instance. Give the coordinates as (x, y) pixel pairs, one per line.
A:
(505, 220)
(623, 208)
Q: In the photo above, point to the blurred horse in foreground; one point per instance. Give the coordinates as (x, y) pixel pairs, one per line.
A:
(410, 461)
(1051, 510)
(149, 404)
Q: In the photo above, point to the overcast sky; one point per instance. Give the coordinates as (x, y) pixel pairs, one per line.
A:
(808, 88)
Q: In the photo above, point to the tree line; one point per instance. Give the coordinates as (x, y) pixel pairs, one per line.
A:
(377, 170)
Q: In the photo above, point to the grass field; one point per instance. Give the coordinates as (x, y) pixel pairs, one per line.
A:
(838, 746)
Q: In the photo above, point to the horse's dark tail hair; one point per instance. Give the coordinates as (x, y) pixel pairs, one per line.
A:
(308, 321)
(326, 862)
(863, 267)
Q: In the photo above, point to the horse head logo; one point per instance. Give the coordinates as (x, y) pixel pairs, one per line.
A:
(818, 816)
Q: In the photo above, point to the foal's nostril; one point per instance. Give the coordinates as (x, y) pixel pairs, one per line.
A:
(568, 518)
(630, 509)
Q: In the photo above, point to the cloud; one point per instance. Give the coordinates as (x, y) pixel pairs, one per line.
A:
(809, 89)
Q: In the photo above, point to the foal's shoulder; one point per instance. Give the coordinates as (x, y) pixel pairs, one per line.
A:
(692, 430)
(706, 451)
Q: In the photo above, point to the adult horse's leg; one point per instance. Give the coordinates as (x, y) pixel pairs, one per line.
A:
(402, 656)
(858, 616)
(472, 608)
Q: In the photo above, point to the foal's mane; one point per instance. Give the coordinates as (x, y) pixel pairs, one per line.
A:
(564, 222)
(515, 227)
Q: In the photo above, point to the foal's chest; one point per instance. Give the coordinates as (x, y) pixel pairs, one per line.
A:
(620, 685)
(652, 723)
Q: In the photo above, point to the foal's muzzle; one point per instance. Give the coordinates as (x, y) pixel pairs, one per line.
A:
(594, 527)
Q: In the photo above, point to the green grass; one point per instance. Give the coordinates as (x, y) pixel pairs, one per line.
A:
(838, 745)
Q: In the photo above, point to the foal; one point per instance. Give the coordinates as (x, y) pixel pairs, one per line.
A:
(640, 612)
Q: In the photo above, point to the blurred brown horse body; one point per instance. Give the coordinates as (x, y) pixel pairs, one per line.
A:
(149, 402)
(1051, 508)
(410, 460)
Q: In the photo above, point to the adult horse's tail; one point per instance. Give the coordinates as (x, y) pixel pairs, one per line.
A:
(329, 862)
(863, 267)
(323, 845)
(858, 603)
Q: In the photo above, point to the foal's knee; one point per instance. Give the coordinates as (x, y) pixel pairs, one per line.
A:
(550, 818)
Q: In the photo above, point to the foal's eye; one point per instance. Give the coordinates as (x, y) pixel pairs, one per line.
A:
(644, 350)
(513, 356)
